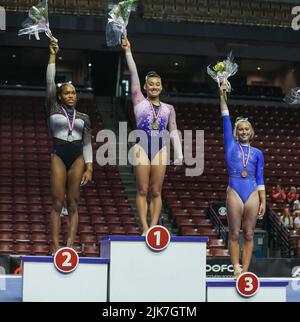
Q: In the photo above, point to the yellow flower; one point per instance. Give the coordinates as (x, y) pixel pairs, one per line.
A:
(219, 67)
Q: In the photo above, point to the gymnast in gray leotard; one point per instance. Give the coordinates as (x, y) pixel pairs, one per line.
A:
(72, 157)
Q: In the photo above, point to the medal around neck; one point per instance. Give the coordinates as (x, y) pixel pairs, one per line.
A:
(155, 126)
(70, 137)
(244, 173)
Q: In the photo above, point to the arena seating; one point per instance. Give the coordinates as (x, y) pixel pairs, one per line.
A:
(25, 199)
(252, 13)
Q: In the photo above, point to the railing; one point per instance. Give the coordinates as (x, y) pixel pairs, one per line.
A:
(218, 225)
(279, 232)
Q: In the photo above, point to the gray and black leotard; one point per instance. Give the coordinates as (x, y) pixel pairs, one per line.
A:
(59, 127)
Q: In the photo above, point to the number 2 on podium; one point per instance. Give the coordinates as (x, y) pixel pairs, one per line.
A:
(67, 262)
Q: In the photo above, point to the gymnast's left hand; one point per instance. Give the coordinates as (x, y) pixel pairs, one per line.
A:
(178, 163)
(86, 177)
(261, 211)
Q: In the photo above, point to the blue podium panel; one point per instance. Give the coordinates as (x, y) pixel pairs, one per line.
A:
(137, 273)
(42, 282)
(10, 288)
(224, 290)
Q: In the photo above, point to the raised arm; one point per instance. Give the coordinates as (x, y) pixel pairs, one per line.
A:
(136, 93)
(227, 127)
(50, 76)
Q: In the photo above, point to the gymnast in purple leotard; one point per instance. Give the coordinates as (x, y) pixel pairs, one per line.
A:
(246, 197)
(153, 118)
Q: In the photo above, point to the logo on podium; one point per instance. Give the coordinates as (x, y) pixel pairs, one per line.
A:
(66, 260)
(247, 284)
(158, 238)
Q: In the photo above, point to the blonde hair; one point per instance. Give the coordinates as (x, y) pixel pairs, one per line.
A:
(236, 124)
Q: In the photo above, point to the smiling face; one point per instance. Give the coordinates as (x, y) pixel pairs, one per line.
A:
(68, 96)
(153, 87)
(243, 132)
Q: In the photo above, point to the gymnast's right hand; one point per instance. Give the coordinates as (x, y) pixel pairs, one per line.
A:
(223, 88)
(125, 44)
(53, 46)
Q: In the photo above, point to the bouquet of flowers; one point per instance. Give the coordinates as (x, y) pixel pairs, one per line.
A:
(37, 21)
(222, 71)
(118, 21)
(293, 97)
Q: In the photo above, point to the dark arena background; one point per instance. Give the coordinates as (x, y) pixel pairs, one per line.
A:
(178, 39)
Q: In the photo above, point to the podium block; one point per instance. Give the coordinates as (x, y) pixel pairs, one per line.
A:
(10, 288)
(138, 274)
(224, 290)
(42, 282)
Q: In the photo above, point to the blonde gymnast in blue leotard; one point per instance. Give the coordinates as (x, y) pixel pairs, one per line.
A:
(246, 197)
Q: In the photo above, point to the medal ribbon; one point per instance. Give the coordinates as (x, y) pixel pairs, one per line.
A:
(245, 162)
(71, 126)
(155, 116)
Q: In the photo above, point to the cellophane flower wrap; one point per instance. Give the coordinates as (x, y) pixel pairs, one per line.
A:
(293, 97)
(222, 71)
(37, 21)
(118, 21)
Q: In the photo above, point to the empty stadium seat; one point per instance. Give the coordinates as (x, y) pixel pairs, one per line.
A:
(219, 252)
(22, 237)
(132, 230)
(39, 237)
(39, 249)
(215, 243)
(6, 248)
(23, 248)
(6, 237)
(88, 238)
(91, 250)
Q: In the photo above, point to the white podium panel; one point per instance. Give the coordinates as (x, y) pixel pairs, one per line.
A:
(138, 274)
(224, 290)
(42, 282)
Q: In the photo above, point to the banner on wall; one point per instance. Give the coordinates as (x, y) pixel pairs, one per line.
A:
(262, 267)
